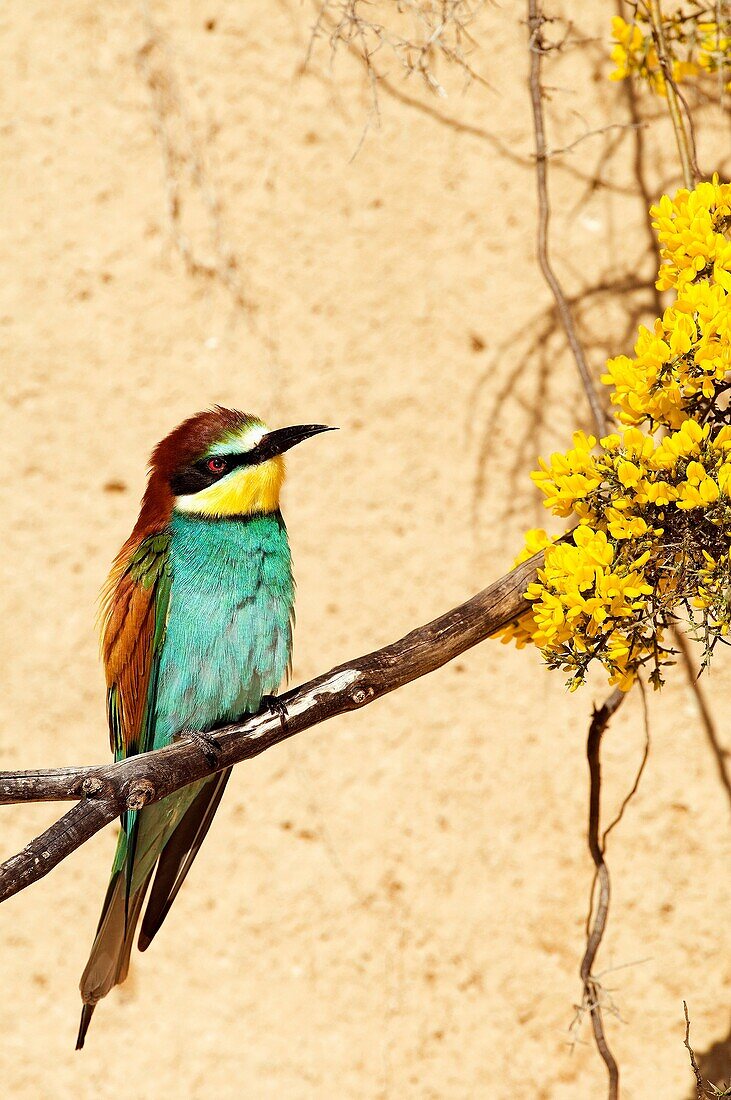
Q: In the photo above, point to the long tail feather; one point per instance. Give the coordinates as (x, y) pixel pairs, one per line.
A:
(109, 959)
(178, 855)
(139, 846)
(87, 1012)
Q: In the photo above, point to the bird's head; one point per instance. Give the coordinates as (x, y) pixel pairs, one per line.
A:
(220, 463)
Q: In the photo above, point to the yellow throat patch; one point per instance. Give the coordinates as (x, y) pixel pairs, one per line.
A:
(245, 491)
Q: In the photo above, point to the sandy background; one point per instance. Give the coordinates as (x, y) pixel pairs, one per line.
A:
(391, 905)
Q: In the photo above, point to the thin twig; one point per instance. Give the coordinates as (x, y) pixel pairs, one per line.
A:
(592, 987)
(639, 168)
(436, 30)
(537, 48)
(700, 1091)
(595, 133)
(459, 125)
(685, 149)
(640, 770)
(720, 755)
(105, 792)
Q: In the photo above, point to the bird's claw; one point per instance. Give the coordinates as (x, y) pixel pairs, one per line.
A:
(275, 705)
(209, 745)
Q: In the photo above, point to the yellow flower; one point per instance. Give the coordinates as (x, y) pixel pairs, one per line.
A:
(697, 47)
(724, 479)
(697, 496)
(635, 555)
(695, 473)
(656, 492)
(535, 540)
(625, 527)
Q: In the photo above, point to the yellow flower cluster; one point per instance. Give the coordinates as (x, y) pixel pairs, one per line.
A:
(697, 44)
(652, 508)
(581, 593)
(680, 363)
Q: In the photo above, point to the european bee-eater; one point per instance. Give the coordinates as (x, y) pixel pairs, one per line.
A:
(196, 631)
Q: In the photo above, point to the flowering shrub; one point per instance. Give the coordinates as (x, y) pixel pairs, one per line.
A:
(696, 42)
(651, 501)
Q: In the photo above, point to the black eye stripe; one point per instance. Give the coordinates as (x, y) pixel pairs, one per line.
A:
(199, 476)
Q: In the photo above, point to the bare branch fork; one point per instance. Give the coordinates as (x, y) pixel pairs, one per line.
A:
(104, 792)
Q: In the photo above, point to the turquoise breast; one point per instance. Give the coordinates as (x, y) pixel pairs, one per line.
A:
(229, 630)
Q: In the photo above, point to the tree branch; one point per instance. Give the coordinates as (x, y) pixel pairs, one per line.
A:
(537, 47)
(592, 989)
(106, 791)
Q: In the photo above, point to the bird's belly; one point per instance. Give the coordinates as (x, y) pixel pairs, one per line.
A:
(228, 640)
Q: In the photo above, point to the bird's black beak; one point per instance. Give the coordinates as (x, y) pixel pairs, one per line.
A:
(283, 439)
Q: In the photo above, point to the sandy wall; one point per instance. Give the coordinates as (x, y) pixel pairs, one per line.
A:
(392, 905)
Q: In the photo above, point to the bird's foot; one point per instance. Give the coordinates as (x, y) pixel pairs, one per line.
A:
(275, 705)
(209, 745)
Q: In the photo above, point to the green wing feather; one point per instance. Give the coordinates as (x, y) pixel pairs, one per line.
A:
(149, 570)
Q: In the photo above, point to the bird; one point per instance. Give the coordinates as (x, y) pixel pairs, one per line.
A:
(197, 617)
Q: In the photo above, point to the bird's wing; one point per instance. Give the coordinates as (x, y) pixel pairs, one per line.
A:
(133, 637)
(135, 619)
(135, 611)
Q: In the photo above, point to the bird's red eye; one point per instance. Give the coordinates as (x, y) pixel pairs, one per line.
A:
(216, 464)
